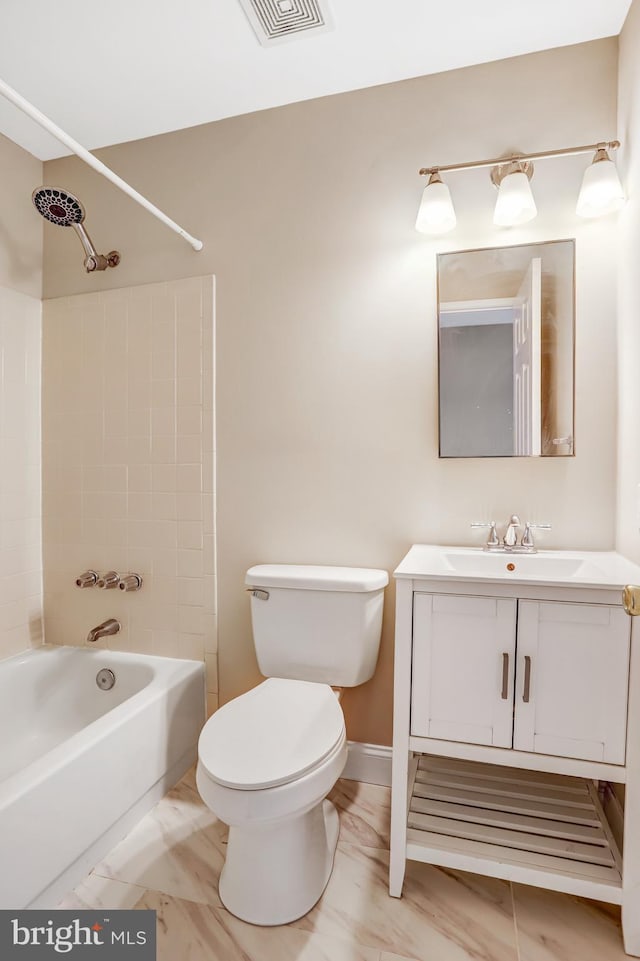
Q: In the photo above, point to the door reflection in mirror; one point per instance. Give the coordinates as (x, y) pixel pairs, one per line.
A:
(506, 351)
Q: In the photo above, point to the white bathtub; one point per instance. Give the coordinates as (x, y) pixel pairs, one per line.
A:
(79, 765)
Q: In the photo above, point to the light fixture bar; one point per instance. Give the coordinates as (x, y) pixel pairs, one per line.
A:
(543, 155)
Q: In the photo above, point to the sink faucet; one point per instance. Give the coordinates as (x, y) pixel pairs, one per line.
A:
(509, 543)
(111, 626)
(510, 538)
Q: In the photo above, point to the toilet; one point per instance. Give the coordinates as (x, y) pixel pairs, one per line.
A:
(268, 759)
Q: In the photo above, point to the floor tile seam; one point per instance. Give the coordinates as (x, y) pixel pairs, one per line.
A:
(515, 921)
(146, 889)
(345, 938)
(109, 877)
(350, 843)
(326, 936)
(346, 844)
(348, 938)
(394, 954)
(181, 897)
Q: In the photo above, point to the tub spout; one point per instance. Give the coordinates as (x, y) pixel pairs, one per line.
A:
(111, 626)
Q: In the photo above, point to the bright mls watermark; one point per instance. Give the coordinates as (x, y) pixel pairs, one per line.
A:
(100, 935)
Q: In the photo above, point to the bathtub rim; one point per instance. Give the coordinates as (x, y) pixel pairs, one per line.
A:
(177, 670)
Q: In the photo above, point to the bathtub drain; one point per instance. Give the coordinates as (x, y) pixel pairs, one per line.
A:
(105, 679)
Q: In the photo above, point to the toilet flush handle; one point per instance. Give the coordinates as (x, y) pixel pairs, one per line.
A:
(257, 592)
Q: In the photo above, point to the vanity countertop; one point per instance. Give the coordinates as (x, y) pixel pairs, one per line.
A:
(606, 570)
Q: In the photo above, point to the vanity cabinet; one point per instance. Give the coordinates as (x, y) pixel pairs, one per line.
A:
(516, 702)
(546, 677)
(463, 668)
(572, 680)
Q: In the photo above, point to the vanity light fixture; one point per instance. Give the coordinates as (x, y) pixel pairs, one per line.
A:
(515, 203)
(601, 191)
(436, 214)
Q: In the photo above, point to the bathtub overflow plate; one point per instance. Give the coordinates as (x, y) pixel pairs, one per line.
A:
(105, 679)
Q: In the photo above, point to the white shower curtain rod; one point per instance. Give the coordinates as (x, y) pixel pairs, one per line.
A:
(18, 101)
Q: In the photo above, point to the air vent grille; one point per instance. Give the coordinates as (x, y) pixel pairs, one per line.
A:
(276, 20)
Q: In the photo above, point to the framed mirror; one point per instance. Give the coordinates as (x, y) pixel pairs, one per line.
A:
(506, 351)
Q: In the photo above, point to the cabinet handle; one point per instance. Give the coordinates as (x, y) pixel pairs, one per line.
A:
(505, 677)
(527, 679)
(630, 599)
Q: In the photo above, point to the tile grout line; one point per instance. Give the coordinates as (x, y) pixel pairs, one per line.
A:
(515, 921)
(106, 877)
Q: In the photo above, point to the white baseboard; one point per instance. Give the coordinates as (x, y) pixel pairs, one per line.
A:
(370, 763)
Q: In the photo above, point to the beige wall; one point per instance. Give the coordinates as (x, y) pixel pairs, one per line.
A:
(20, 512)
(20, 226)
(628, 535)
(128, 467)
(326, 322)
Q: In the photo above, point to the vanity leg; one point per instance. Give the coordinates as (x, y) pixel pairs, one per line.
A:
(631, 923)
(631, 851)
(401, 730)
(399, 801)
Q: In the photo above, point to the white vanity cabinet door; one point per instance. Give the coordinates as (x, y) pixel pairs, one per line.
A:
(463, 668)
(572, 680)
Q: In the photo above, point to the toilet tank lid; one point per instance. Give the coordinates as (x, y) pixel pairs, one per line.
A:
(314, 577)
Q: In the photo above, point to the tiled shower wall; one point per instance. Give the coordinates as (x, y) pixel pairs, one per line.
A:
(20, 512)
(128, 467)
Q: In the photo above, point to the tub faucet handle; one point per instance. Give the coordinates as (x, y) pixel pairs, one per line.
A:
(87, 579)
(130, 582)
(109, 580)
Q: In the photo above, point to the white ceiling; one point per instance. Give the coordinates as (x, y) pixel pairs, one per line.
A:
(125, 69)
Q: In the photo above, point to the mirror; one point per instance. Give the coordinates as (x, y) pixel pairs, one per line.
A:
(506, 351)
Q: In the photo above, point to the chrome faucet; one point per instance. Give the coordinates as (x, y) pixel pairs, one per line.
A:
(509, 543)
(108, 627)
(510, 538)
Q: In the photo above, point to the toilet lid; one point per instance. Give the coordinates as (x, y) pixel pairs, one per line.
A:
(271, 735)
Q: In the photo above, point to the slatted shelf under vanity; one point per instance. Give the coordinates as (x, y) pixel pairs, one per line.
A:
(547, 830)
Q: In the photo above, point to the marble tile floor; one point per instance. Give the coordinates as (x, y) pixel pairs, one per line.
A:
(171, 860)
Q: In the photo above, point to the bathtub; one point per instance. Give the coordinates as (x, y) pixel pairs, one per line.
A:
(79, 766)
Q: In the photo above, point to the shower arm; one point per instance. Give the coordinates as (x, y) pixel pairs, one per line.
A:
(94, 260)
(18, 101)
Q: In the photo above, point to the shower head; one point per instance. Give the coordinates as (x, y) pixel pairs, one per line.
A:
(58, 206)
(61, 208)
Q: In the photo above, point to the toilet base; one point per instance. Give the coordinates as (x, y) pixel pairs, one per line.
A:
(274, 873)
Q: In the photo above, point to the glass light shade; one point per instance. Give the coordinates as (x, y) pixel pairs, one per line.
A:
(436, 214)
(601, 192)
(515, 203)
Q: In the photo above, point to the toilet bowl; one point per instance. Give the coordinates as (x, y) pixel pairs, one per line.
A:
(267, 760)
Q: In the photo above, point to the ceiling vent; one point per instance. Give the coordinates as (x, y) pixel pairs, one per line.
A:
(278, 20)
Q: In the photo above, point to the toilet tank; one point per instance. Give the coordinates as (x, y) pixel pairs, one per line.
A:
(314, 623)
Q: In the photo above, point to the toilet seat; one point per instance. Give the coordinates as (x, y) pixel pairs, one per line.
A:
(272, 735)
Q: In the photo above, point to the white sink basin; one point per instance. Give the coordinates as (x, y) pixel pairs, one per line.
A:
(545, 565)
(604, 569)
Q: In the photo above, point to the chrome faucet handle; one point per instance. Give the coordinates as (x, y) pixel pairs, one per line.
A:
(108, 581)
(130, 582)
(527, 537)
(492, 539)
(87, 579)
